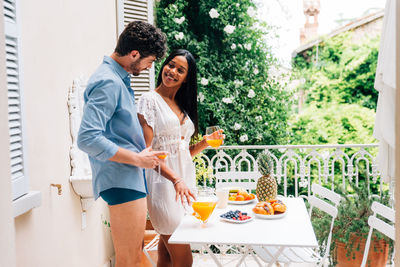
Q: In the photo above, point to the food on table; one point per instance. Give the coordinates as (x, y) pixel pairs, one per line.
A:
(236, 215)
(271, 207)
(264, 208)
(278, 205)
(266, 185)
(240, 195)
(203, 210)
(234, 190)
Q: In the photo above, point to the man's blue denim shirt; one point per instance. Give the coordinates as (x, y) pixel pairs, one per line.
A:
(110, 121)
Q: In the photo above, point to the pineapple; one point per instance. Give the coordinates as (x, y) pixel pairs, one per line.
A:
(266, 185)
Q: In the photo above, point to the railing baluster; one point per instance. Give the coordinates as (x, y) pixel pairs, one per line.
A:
(318, 165)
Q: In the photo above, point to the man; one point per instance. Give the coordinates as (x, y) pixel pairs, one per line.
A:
(113, 138)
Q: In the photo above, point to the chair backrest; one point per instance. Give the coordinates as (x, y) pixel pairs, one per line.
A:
(246, 180)
(374, 222)
(322, 204)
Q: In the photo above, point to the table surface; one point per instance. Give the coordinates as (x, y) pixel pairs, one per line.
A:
(294, 229)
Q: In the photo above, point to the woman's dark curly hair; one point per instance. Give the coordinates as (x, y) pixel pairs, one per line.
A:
(143, 37)
(186, 97)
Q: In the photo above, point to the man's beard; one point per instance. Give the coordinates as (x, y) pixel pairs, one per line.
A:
(134, 67)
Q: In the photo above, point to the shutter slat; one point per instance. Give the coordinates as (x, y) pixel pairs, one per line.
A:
(11, 72)
(13, 109)
(15, 138)
(12, 65)
(11, 79)
(16, 161)
(13, 102)
(13, 94)
(15, 131)
(14, 124)
(16, 168)
(15, 153)
(14, 116)
(16, 175)
(10, 42)
(15, 146)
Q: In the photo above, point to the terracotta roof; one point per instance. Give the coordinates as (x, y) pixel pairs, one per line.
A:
(349, 26)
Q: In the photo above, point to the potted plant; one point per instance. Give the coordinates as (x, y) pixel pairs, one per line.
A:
(351, 229)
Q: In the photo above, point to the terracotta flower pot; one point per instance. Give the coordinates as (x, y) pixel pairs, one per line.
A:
(377, 256)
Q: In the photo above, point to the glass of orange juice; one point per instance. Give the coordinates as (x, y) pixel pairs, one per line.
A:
(205, 203)
(214, 141)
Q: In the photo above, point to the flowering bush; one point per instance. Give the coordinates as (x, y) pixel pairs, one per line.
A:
(235, 88)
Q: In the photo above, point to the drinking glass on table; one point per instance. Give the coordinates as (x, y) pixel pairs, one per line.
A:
(205, 204)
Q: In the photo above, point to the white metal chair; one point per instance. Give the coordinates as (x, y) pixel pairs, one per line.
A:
(375, 223)
(303, 255)
(246, 180)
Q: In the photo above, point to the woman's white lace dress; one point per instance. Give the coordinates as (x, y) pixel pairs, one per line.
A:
(169, 135)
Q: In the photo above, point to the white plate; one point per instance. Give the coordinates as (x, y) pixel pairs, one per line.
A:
(243, 202)
(270, 217)
(236, 221)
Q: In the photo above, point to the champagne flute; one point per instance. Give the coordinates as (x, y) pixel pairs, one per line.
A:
(164, 156)
(214, 141)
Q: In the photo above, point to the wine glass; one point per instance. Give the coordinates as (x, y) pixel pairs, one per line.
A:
(214, 141)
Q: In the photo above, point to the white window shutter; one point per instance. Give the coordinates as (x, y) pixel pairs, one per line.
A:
(19, 180)
(130, 10)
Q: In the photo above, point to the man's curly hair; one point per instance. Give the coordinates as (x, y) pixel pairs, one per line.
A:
(143, 37)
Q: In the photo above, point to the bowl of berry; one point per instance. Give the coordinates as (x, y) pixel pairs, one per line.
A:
(236, 216)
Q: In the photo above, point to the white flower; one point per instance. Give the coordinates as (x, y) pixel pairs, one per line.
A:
(200, 97)
(204, 81)
(247, 46)
(251, 93)
(174, 6)
(251, 11)
(255, 71)
(213, 13)
(259, 137)
(244, 138)
(233, 46)
(179, 36)
(238, 83)
(238, 5)
(180, 20)
(258, 118)
(229, 29)
(266, 123)
(237, 126)
(240, 45)
(227, 100)
(273, 98)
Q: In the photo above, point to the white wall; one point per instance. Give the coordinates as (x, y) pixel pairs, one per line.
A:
(60, 41)
(7, 234)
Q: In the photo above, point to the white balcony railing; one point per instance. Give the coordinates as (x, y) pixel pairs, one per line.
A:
(294, 166)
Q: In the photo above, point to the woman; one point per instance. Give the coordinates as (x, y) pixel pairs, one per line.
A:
(169, 119)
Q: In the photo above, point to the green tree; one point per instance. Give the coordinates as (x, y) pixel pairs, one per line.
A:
(235, 89)
(344, 72)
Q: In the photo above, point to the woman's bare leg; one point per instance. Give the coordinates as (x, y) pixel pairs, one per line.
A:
(180, 255)
(128, 222)
(163, 260)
